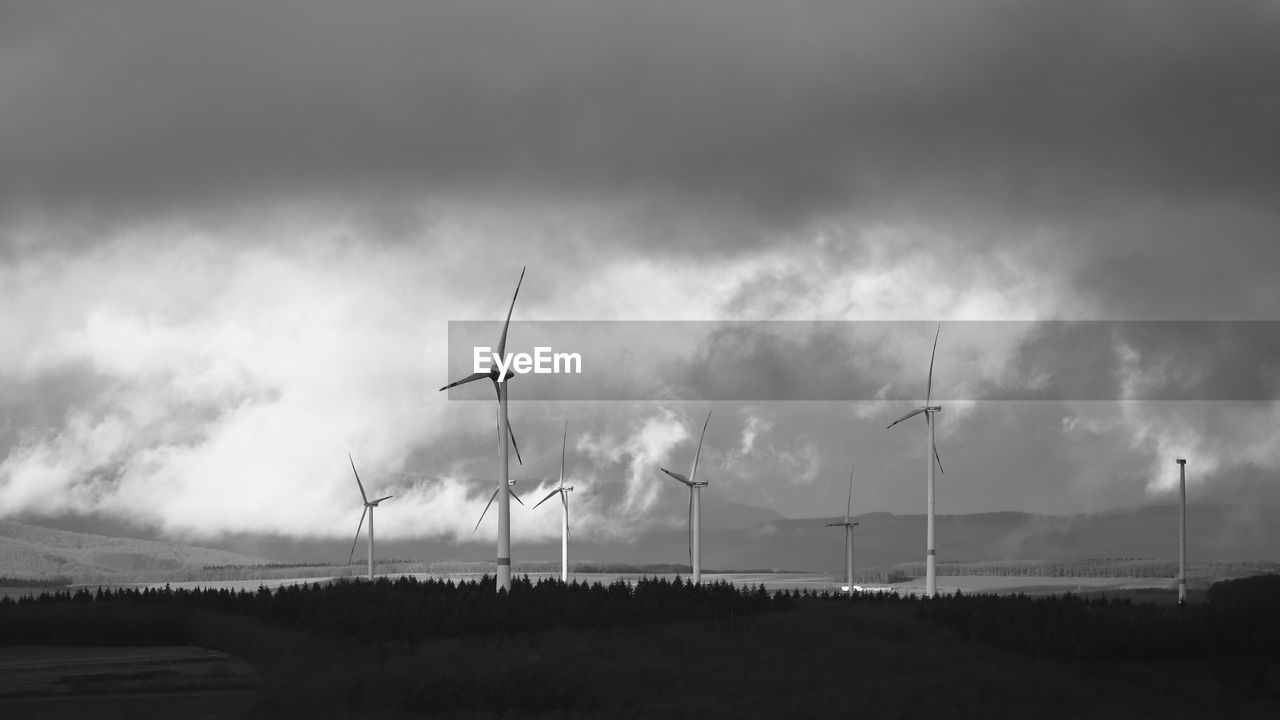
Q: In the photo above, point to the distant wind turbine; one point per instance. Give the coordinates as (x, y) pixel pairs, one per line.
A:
(848, 536)
(931, 580)
(1182, 531)
(369, 505)
(695, 506)
(563, 492)
(504, 431)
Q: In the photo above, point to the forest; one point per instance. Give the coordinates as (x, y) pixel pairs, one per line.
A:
(660, 647)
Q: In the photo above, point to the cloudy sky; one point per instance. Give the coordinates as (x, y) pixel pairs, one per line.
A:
(233, 236)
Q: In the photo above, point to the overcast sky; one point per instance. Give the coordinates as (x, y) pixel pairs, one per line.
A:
(233, 234)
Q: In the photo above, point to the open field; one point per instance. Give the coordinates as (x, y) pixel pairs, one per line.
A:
(122, 682)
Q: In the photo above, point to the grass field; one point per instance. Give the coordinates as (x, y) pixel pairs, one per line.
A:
(123, 682)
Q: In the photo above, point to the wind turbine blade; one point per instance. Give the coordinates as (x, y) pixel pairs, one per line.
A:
(514, 445)
(514, 495)
(908, 416)
(510, 433)
(353, 469)
(694, 475)
(492, 497)
(548, 497)
(375, 502)
(848, 506)
(564, 498)
(357, 537)
(502, 342)
(563, 442)
(928, 391)
(677, 476)
(928, 420)
(470, 378)
(690, 528)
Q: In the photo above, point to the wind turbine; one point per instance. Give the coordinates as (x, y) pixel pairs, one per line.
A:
(695, 506)
(504, 431)
(931, 579)
(848, 535)
(1182, 532)
(369, 505)
(563, 492)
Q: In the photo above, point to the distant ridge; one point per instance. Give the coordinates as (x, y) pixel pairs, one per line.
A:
(1215, 532)
(27, 551)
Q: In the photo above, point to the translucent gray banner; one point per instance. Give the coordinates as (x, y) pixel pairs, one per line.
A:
(858, 361)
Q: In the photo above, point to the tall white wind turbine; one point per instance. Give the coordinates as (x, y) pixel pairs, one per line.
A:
(563, 492)
(848, 536)
(504, 505)
(931, 579)
(369, 505)
(695, 506)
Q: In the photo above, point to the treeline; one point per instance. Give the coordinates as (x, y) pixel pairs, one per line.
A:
(283, 571)
(404, 610)
(1051, 568)
(1092, 567)
(267, 565)
(412, 648)
(55, 581)
(1238, 621)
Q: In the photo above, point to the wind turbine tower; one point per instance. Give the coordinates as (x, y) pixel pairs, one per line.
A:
(931, 456)
(848, 536)
(1182, 533)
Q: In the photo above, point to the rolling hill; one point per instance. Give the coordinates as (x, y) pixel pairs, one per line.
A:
(27, 551)
(1215, 532)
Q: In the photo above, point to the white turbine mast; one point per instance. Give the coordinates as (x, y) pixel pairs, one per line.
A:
(504, 505)
(931, 580)
(1182, 531)
(563, 492)
(369, 505)
(695, 506)
(848, 537)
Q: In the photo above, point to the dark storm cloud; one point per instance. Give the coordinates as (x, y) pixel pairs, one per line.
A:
(1141, 360)
(780, 110)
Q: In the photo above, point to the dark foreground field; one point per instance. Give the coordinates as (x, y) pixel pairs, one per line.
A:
(663, 649)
